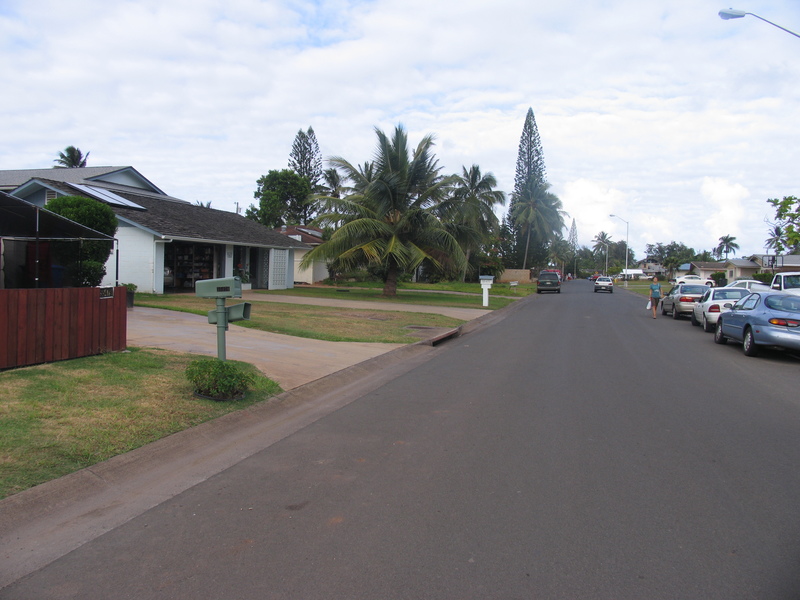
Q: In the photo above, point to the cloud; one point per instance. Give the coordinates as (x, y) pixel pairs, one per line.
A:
(645, 110)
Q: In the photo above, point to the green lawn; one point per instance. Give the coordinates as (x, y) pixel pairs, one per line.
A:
(315, 322)
(61, 417)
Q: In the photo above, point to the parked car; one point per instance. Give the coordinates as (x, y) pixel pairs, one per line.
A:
(693, 279)
(761, 319)
(750, 284)
(604, 284)
(786, 282)
(548, 281)
(714, 302)
(680, 299)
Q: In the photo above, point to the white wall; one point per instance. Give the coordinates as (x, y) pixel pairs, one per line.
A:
(317, 272)
(136, 260)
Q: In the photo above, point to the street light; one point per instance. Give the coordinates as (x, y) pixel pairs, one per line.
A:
(732, 13)
(627, 227)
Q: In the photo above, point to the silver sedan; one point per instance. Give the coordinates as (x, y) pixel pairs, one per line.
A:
(680, 299)
(714, 302)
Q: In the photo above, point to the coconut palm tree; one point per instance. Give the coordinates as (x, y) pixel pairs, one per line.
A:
(71, 158)
(537, 212)
(601, 242)
(390, 220)
(776, 239)
(727, 243)
(468, 212)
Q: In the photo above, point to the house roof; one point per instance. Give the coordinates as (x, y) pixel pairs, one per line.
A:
(171, 218)
(12, 179)
(22, 220)
(308, 235)
(709, 265)
(743, 262)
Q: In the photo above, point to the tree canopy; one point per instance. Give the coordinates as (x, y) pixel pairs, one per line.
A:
(389, 221)
(282, 197)
(71, 158)
(85, 262)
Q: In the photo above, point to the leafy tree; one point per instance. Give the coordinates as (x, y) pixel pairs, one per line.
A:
(86, 261)
(727, 243)
(787, 216)
(537, 213)
(390, 220)
(469, 211)
(71, 158)
(281, 196)
(203, 204)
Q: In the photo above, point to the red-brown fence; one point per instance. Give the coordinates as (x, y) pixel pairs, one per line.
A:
(45, 325)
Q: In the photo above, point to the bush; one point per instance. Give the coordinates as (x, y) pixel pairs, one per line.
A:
(765, 278)
(218, 379)
(718, 278)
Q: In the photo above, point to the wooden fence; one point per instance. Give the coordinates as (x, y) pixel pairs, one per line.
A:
(46, 325)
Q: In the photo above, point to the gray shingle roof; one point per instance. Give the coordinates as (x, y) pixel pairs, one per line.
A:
(178, 219)
(16, 178)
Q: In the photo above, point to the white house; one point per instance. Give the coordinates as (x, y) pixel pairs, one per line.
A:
(165, 244)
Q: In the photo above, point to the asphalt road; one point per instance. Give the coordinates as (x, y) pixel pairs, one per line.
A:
(576, 449)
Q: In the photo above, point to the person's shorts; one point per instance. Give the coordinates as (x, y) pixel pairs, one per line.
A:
(655, 301)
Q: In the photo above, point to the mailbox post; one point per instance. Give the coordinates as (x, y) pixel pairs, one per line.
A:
(219, 289)
(486, 285)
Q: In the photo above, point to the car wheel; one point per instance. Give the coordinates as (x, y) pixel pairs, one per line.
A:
(718, 337)
(707, 326)
(694, 320)
(663, 309)
(559, 290)
(610, 291)
(675, 314)
(749, 344)
(538, 291)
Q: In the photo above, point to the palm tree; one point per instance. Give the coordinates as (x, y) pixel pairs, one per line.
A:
(71, 158)
(601, 241)
(469, 211)
(776, 239)
(539, 212)
(389, 220)
(560, 252)
(727, 243)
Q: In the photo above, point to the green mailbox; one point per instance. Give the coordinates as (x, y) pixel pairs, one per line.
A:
(219, 289)
(235, 312)
(225, 287)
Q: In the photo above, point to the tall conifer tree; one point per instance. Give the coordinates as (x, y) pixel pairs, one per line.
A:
(305, 159)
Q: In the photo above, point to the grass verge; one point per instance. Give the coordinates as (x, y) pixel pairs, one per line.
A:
(61, 417)
(314, 322)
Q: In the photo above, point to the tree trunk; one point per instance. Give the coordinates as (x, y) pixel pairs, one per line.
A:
(390, 285)
(464, 272)
(527, 243)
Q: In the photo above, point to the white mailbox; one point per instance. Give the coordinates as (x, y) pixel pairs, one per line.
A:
(486, 285)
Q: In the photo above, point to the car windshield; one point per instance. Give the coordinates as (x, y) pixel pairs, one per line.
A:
(730, 294)
(693, 289)
(785, 303)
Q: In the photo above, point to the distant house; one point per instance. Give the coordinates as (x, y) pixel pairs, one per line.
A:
(651, 268)
(780, 262)
(740, 268)
(166, 244)
(311, 236)
(705, 269)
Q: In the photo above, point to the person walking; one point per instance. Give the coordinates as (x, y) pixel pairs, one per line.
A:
(655, 295)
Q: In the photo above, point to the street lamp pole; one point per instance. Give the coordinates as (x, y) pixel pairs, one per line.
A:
(732, 13)
(627, 228)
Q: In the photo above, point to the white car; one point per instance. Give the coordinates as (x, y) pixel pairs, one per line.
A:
(714, 302)
(750, 284)
(604, 284)
(694, 279)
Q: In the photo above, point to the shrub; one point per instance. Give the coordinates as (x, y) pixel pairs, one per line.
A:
(718, 278)
(217, 379)
(763, 277)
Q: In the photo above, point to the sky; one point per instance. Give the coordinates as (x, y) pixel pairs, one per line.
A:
(679, 122)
